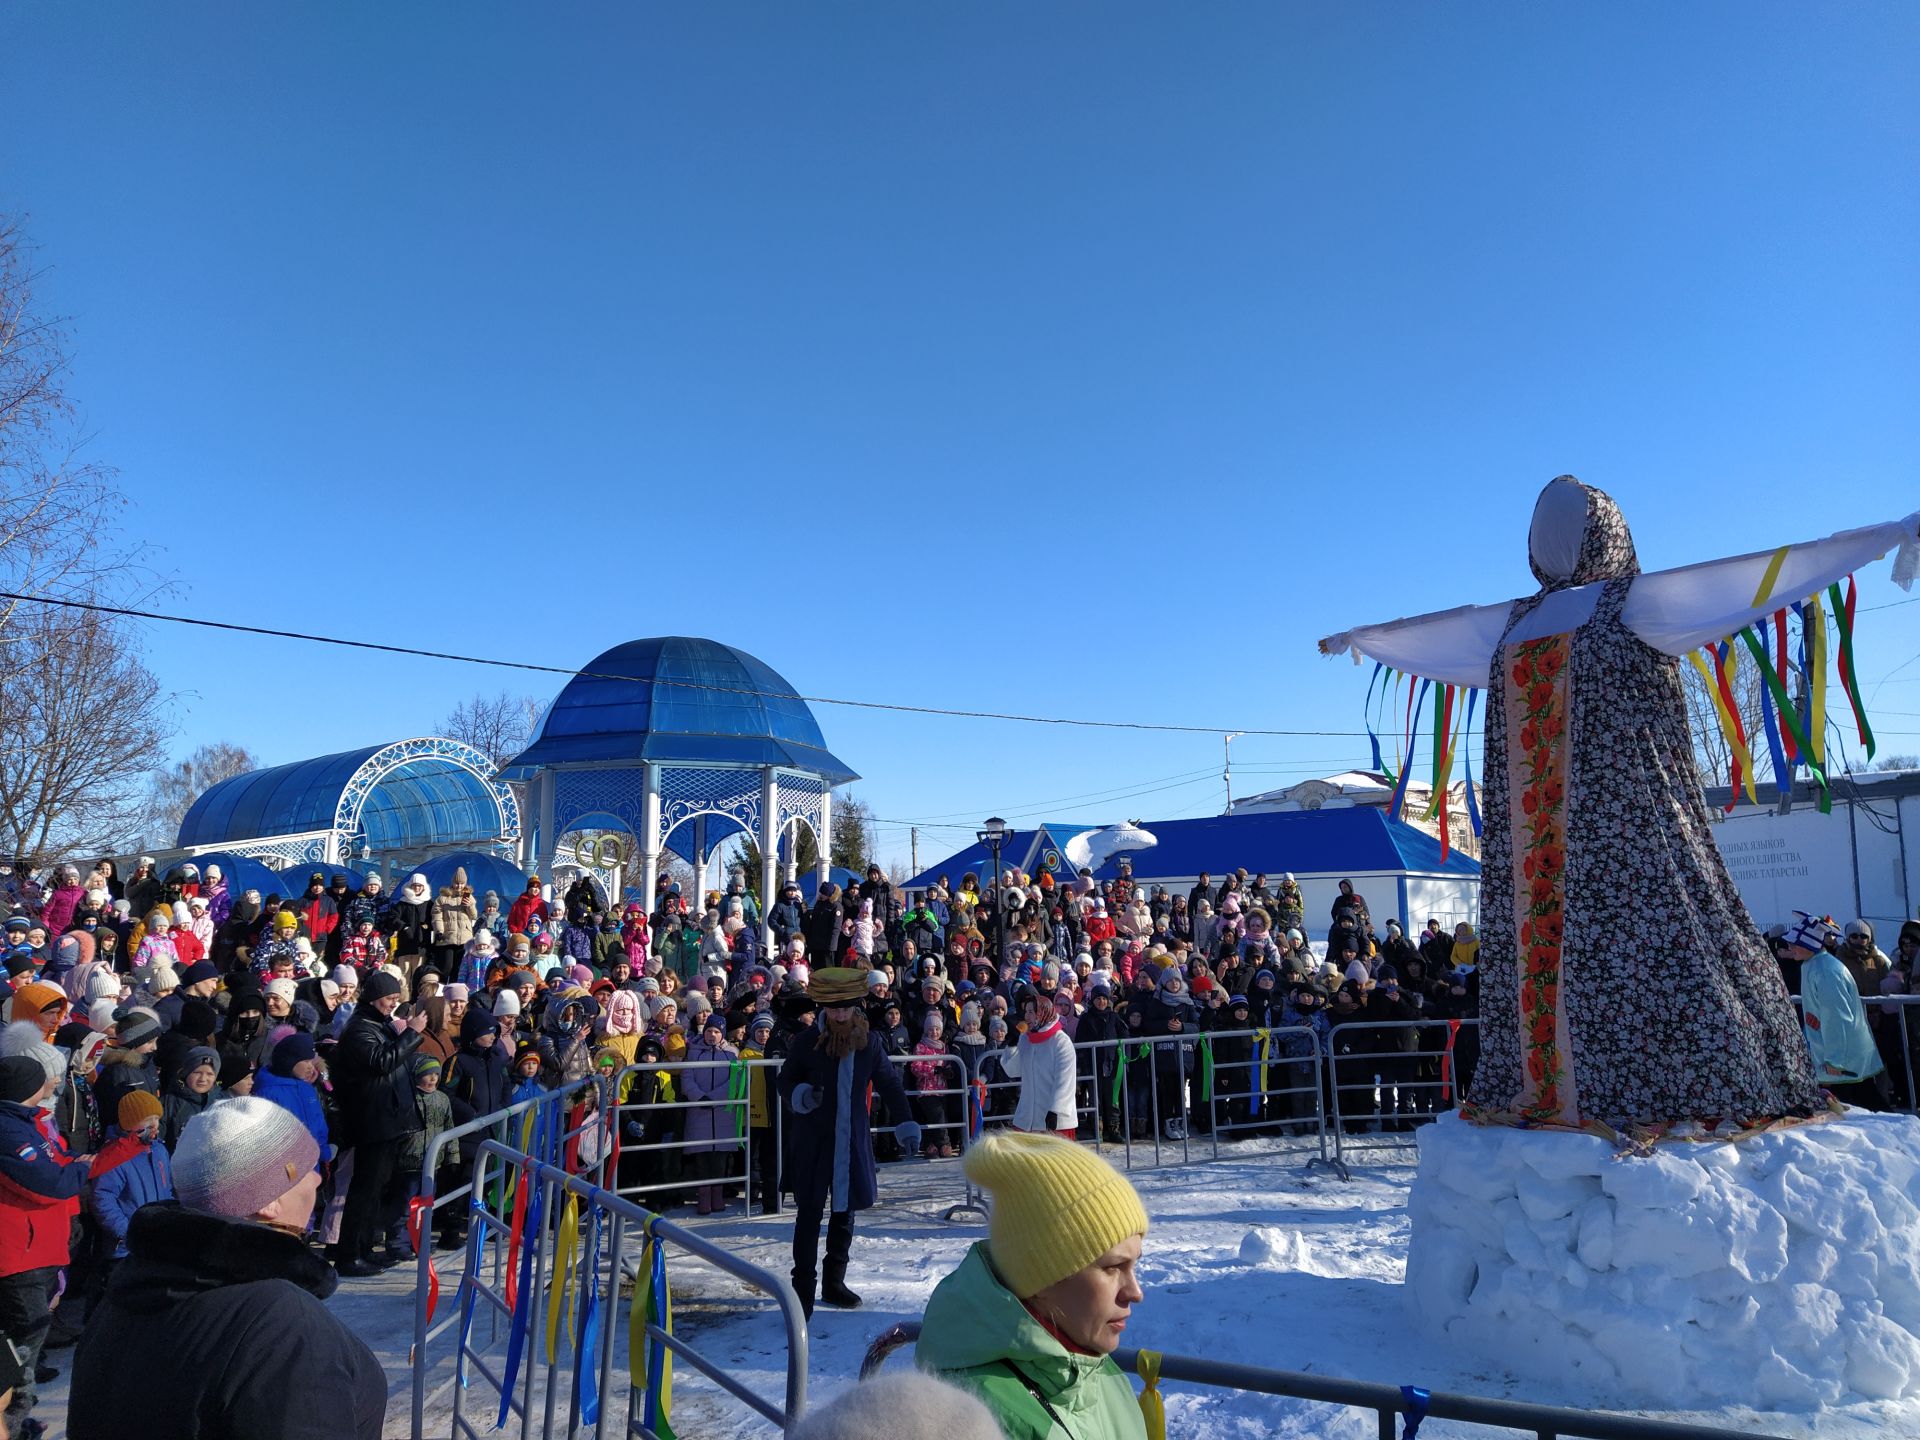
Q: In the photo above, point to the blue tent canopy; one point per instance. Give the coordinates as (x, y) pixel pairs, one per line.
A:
(243, 873)
(484, 873)
(674, 697)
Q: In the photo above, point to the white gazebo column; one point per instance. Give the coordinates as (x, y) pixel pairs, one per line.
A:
(549, 841)
(769, 842)
(696, 902)
(650, 835)
(790, 837)
(824, 840)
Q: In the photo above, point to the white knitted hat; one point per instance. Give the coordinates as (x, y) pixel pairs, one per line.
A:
(241, 1155)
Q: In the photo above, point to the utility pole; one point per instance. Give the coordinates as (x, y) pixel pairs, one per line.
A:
(913, 846)
(1226, 746)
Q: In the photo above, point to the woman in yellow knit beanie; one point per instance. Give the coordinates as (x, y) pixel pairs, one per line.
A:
(1030, 1320)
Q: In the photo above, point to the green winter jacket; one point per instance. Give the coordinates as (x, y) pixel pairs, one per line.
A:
(977, 1334)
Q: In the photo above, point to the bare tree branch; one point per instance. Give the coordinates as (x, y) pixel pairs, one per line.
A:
(177, 786)
(497, 726)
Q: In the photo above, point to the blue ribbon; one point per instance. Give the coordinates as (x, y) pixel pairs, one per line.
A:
(1406, 769)
(586, 1363)
(1366, 714)
(1782, 773)
(1466, 757)
(1413, 1409)
(656, 1349)
(523, 1306)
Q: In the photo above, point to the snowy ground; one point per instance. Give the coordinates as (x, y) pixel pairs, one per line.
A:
(1319, 1290)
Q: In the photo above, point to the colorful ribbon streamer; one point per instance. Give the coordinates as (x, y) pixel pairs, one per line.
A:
(420, 1210)
(1414, 702)
(587, 1367)
(1789, 718)
(560, 1283)
(1153, 1409)
(1849, 673)
(1366, 713)
(1466, 759)
(654, 1364)
(1413, 1409)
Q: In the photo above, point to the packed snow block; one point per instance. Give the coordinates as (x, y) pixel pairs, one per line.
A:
(1780, 1271)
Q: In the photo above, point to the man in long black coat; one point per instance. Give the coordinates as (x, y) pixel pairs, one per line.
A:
(824, 1086)
(373, 1077)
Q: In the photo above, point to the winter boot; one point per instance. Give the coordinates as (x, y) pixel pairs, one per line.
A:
(833, 1287)
(803, 1287)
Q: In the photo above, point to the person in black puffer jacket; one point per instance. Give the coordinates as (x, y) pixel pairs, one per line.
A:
(373, 1080)
(217, 1275)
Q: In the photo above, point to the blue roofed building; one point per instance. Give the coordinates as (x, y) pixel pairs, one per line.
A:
(1396, 866)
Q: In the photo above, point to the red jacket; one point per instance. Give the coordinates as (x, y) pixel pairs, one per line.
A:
(39, 1193)
(524, 910)
(320, 914)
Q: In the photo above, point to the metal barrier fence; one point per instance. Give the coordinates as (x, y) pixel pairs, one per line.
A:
(1896, 1028)
(544, 1114)
(1388, 1402)
(564, 1235)
(1389, 1077)
(653, 1140)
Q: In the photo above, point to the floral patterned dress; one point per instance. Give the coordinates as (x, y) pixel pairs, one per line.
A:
(1621, 978)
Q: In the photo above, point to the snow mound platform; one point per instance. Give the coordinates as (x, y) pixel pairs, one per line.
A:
(1778, 1272)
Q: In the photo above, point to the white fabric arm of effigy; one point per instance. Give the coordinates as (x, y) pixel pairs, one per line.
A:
(1675, 611)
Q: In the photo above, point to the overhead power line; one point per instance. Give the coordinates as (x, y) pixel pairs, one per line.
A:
(228, 625)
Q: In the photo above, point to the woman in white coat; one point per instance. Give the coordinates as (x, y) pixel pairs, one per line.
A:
(1043, 1062)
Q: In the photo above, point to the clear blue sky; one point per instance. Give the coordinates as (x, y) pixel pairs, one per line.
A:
(880, 339)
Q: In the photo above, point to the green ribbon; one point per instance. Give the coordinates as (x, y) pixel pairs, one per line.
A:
(1139, 1052)
(737, 1082)
(1206, 1069)
(1789, 717)
(1849, 678)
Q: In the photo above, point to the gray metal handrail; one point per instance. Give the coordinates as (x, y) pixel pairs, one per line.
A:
(1389, 1402)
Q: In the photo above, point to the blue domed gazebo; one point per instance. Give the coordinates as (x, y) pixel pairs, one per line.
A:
(663, 737)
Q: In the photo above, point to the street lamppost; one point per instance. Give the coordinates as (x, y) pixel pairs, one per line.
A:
(993, 834)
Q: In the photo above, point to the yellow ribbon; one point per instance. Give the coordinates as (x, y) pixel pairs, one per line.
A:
(559, 1292)
(1816, 623)
(637, 1315)
(1153, 1409)
(1765, 592)
(1439, 796)
(1727, 728)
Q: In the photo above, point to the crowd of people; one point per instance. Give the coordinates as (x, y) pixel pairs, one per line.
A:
(370, 1022)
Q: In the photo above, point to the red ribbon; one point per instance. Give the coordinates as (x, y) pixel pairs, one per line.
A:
(418, 1210)
(1780, 669)
(514, 1229)
(1739, 728)
(1446, 1063)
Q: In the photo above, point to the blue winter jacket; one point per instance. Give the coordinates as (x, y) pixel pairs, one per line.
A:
(142, 1178)
(290, 1092)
